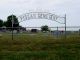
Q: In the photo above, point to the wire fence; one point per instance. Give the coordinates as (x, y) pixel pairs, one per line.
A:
(54, 31)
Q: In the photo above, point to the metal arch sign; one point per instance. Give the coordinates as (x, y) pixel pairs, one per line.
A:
(38, 15)
(42, 15)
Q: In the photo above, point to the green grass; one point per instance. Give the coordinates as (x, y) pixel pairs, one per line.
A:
(39, 47)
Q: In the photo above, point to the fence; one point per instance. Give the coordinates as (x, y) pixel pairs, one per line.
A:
(54, 31)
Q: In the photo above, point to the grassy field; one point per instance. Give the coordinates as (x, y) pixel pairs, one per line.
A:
(39, 47)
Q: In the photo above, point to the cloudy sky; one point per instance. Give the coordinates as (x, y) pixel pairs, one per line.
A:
(60, 7)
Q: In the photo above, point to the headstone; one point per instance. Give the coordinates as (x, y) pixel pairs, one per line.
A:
(15, 31)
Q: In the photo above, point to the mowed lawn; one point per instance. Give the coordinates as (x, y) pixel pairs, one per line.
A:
(39, 47)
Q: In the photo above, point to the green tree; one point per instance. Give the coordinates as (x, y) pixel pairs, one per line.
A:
(44, 28)
(10, 19)
(5, 23)
(1, 23)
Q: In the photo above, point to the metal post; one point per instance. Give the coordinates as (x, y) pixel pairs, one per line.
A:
(65, 26)
(12, 26)
(57, 32)
(79, 31)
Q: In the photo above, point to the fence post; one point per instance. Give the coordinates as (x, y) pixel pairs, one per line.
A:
(79, 31)
(65, 26)
(12, 26)
(57, 32)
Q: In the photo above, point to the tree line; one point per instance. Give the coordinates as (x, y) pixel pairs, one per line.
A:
(8, 23)
(14, 19)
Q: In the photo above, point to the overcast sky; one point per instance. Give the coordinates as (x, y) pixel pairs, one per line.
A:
(19, 7)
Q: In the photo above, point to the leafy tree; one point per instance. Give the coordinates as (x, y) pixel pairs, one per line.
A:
(44, 28)
(1, 23)
(10, 19)
(5, 23)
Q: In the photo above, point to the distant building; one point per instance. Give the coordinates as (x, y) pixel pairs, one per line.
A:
(34, 30)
